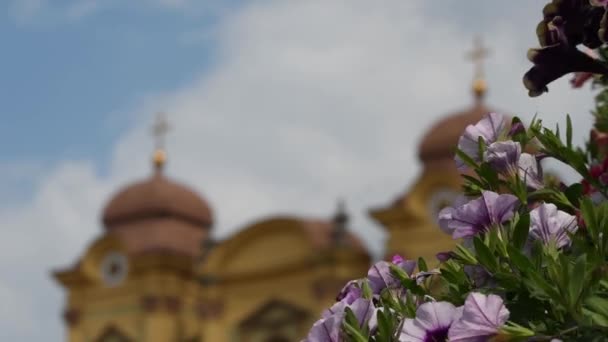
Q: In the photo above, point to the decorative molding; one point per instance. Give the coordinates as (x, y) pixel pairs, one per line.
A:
(210, 308)
(173, 304)
(150, 303)
(72, 317)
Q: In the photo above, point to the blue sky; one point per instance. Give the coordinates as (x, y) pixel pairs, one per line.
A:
(66, 84)
(276, 107)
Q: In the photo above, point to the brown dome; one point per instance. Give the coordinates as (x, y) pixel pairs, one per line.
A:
(157, 197)
(441, 140)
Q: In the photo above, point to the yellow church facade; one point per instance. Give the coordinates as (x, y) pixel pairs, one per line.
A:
(155, 275)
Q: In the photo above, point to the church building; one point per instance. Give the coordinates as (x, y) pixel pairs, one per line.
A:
(154, 274)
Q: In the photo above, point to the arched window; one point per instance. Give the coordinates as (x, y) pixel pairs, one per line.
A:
(112, 334)
(275, 321)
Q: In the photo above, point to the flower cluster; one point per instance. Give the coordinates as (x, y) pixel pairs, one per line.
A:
(524, 269)
(482, 316)
(531, 263)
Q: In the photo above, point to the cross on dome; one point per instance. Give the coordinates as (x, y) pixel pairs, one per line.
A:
(477, 56)
(160, 128)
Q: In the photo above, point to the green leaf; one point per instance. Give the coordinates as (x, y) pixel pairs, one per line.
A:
(521, 230)
(486, 172)
(545, 287)
(398, 272)
(465, 255)
(480, 147)
(354, 333)
(598, 304)
(472, 180)
(449, 276)
(385, 326)
(507, 280)
(466, 159)
(574, 192)
(485, 257)
(515, 330)
(520, 261)
(366, 289)
(351, 325)
(422, 265)
(411, 285)
(598, 319)
(589, 215)
(577, 279)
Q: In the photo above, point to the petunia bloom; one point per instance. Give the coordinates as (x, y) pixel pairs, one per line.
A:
(479, 215)
(488, 129)
(506, 158)
(482, 317)
(445, 215)
(363, 309)
(407, 265)
(530, 171)
(503, 156)
(380, 276)
(328, 328)
(432, 323)
(552, 226)
(350, 292)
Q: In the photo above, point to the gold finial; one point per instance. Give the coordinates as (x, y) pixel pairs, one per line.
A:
(477, 55)
(159, 131)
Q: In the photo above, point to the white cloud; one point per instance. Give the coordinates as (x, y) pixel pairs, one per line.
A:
(82, 9)
(311, 101)
(24, 10)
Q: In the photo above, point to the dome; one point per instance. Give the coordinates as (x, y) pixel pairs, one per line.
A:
(441, 140)
(157, 197)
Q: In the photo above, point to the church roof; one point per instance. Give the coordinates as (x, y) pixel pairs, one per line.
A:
(157, 197)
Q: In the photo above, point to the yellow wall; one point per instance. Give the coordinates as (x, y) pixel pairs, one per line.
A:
(274, 262)
(411, 223)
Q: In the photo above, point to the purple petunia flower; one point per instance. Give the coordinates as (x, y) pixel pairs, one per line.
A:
(445, 215)
(432, 322)
(482, 213)
(516, 128)
(350, 292)
(380, 276)
(489, 129)
(444, 256)
(407, 265)
(363, 310)
(337, 308)
(328, 328)
(530, 171)
(503, 156)
(552, 226)
(482, 317)
(506, 158)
